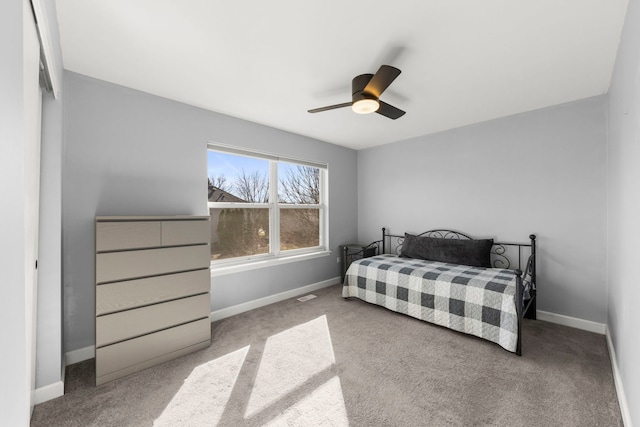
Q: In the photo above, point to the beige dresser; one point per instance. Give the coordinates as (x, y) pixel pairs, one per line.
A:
(152, 291)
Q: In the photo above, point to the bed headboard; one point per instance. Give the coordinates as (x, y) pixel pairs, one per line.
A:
(515, 256)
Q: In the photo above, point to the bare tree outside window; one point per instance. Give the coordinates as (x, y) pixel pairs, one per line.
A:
(240, 231)
(220, 182)
(299, 228)
(252, 187)
(300, 185)
(219, 189)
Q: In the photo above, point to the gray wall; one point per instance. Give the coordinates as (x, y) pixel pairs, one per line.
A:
(540, 172)
(50, 358)
(131, 153)
(623, 227)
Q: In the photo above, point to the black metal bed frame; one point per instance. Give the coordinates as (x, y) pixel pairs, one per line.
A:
(525, 308)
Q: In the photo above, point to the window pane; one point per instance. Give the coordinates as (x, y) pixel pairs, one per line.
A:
(298, 184)
(239, 232)
(299, 228)
(237, 179)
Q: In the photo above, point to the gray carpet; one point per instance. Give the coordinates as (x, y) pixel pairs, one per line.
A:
(334, 362)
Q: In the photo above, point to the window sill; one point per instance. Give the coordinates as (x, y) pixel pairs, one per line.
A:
(253, 265)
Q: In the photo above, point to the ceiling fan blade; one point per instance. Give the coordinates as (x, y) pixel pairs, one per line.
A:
(330, 107)
(389, 111)
(381, 80)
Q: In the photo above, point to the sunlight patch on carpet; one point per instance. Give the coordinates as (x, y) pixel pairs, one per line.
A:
(205, 393)
(290, 359)
(323, 407)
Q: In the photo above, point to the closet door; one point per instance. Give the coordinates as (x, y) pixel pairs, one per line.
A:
(20, 104)
(32, 115)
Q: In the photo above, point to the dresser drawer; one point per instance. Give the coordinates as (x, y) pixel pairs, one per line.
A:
(118, 296)
(119, 359)
(185, 232)
(112, 328)
(116, 266)
(120, 235)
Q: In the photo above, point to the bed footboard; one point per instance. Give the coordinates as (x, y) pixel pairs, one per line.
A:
(530, 309)
(519, 308)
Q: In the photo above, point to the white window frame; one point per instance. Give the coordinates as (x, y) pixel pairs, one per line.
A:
(275, 255)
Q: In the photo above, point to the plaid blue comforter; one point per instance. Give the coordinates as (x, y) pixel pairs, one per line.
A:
(474, 300)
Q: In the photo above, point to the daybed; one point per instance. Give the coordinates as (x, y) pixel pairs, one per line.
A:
(445, 277)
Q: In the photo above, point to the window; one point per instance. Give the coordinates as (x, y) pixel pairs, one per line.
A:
(263, 206)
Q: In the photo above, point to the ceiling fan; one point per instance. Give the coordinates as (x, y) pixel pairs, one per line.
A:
(366, 90)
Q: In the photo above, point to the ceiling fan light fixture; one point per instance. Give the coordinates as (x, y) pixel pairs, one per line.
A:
(365, 106)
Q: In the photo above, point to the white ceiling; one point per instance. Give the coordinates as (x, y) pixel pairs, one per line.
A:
(462, 61)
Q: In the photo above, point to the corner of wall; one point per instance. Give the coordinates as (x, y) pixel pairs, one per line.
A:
(617, 380)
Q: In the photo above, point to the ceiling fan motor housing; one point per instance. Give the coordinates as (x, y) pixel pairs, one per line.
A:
(357, 87)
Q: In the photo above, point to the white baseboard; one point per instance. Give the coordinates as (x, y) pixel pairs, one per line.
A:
(261, 302)
(64, 367)
(51, 391)
(80, 355)
(89, 352)
(573, 322)
(617, 380)
(48, 392)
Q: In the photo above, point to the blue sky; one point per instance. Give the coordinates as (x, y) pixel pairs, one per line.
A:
(231, 165)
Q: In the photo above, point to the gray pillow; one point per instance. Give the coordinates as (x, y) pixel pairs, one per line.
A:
(476, 253)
